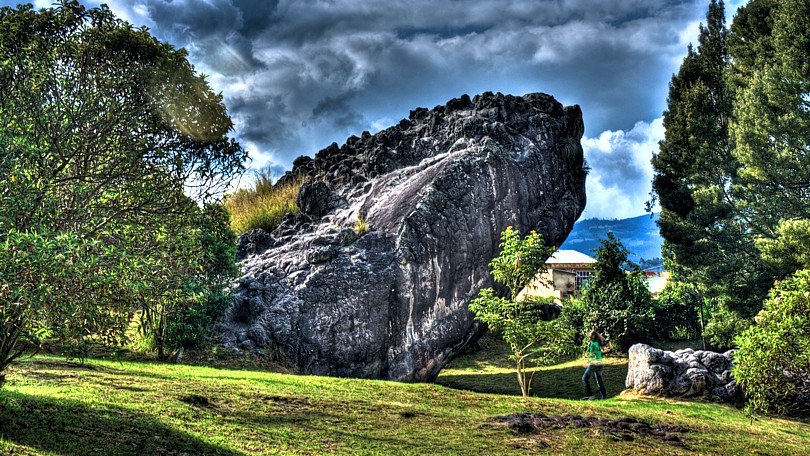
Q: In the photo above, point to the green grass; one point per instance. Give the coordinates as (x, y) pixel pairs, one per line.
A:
(487, 369)
(50, 406)
(262, 206)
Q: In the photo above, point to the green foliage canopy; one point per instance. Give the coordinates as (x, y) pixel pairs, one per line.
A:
(678, 310)
(618, 304)
(707, 234)
(732, 172)
(738, 226)
(107, 134)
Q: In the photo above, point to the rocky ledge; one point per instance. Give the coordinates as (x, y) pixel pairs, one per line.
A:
(373, 278)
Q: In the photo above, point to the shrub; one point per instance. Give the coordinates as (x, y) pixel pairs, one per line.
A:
(190, 326)
(262, 206)
(723, 326)
(677, 311)
(773, 361)
(573, 316)
(618, 304)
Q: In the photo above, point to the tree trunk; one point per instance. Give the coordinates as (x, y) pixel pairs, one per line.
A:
(521, 377)
(161, 333)
(702, 325)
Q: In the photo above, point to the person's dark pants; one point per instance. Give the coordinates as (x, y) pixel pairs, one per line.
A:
(596, 370)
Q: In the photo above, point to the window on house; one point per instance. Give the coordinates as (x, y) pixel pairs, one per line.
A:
(582, 278)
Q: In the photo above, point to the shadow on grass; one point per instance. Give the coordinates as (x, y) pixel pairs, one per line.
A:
(71, 427)
(559, 383)
(31, 366)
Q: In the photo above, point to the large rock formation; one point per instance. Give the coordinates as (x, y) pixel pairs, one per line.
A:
(682, 373)
(433, 193)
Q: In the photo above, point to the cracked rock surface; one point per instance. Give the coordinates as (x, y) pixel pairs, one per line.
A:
(682, 373)
(389, 299)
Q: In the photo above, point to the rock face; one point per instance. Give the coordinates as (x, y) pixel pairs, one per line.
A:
(397, 229)
(683, 373)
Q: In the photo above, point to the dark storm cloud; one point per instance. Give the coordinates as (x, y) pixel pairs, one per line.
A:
(338, 112)
(219, 32)
(262, 119)
(297, 75)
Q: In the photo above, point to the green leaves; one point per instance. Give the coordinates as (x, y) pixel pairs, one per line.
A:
(108, 136)
(521, 323)
(521, 258)
(41, 275)
(618, 304)
(733, 171)
(773, 361)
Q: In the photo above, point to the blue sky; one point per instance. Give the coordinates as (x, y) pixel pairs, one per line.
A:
(298, 75)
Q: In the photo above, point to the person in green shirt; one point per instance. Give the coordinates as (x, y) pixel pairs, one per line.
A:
(594, 365)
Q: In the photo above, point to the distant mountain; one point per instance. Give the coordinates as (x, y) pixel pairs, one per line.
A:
(638, 234)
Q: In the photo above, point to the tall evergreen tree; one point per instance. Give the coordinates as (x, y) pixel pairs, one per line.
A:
(706, 234)
(771, 132)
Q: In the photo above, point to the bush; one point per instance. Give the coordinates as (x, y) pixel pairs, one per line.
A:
(773, 361)
(618, 304)
(677, 311)
(573, 317)
(262, 206)
(190, 326)
(723, 326)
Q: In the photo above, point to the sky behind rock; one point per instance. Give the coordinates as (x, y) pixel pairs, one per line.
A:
(298, 75)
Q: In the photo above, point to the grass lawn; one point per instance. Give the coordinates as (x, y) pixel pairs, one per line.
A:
(488, 369)
(50, 406)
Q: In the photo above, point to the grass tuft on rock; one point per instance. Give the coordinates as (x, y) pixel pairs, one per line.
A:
(263, 205)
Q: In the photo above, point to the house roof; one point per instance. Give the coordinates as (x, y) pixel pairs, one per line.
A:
(569, 257)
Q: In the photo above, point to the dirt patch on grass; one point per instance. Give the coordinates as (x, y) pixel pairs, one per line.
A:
(624, 429)
(197, 400)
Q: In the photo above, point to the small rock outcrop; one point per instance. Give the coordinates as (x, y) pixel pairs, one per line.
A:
(683, 373)
(373, 277)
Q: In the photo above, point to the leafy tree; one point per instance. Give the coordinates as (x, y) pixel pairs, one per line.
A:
(736, 235)
(618, 304)
(522, 324)
(574, 316)
(772, 364)
(41, 274)
(189, 327)
(723, 326)
(106, 134)
(771, 130)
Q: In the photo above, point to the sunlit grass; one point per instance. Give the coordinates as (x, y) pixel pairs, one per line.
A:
(487, 368)
(263, 205)
(51, 406)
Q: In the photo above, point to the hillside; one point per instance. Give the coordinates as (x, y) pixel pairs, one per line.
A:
(638, 234)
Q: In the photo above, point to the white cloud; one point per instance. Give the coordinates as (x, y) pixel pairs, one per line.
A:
(621, 174)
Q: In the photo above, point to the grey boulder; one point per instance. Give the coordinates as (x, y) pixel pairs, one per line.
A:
(373, 278)
(683, 373)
